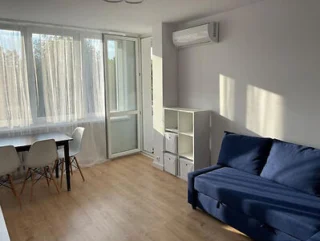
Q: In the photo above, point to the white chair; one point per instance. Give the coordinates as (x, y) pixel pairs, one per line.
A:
(41, 159)
(74, 148)
(9, 162)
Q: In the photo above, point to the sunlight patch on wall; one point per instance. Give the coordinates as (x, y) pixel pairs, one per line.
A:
(158, 122)
(264, 112)
(227, 96)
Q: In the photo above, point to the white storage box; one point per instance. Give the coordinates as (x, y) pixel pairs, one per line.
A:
(170, 163)
(171, 142)
(186, 166)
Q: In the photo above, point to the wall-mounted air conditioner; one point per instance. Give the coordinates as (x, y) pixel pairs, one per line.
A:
(197, 35)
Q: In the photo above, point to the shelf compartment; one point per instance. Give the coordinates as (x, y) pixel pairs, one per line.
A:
(185, 146)
(185, 166)
(185, 122)
(171, 142)
(171, 120)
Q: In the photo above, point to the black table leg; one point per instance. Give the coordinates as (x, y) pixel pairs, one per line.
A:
(67, 162)
(57, 170)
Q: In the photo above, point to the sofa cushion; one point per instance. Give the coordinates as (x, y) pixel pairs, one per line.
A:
(295, 166)
(280, 207)
(246, 153)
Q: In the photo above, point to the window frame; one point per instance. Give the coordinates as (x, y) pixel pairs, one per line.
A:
(22, 30)
(112, 116)
(122, 99)
(26, 32)
(38, 121)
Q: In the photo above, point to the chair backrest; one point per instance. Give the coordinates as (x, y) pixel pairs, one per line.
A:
(41, 154)
(9, 160)
(76, 143)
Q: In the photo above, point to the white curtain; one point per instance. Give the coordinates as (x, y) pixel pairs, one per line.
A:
(51, 81)
(57, 64)
(14, 90)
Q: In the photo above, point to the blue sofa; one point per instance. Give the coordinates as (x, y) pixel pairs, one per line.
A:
(266, 188)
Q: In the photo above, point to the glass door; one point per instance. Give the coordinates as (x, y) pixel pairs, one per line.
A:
(123, 95)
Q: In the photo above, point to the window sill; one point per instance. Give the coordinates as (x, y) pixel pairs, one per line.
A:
(45, 127)
(39, 127)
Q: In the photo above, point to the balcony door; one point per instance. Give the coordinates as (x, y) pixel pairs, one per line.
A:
(123, 95)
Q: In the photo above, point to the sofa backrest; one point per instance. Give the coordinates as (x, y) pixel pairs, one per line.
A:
(245, 153)
(289, 164)
(295, 166)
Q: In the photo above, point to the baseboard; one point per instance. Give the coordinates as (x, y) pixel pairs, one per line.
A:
(147, 154)
(157, 165)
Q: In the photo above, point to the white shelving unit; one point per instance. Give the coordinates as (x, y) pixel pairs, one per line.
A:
(193, 129)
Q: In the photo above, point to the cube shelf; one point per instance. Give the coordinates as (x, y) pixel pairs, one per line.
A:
(171, 121)
(193, 129)
(185, 146)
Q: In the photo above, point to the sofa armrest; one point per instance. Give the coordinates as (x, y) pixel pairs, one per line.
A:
(192, 193)
(315, 237)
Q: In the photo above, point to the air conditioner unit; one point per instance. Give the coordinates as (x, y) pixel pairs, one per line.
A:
(201, 34)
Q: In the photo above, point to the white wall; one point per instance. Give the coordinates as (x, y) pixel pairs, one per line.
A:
(165, 83)
(146, 77)
(264, 76)
(157, 66)
(170, 67)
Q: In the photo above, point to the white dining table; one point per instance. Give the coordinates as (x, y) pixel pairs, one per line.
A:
(24, 142)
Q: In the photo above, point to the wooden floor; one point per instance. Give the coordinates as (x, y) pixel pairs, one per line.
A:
(125, 199)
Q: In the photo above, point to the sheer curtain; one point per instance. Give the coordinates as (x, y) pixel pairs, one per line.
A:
(57, 66)
(53, 80)
(14, 95)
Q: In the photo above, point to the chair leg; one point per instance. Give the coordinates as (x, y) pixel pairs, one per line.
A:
(77, 163)
(32, 184)
(46, 175)
(62, 170)
(25, 180)
(14, 190)
(53, 178)
(71, 160)
(55, 164)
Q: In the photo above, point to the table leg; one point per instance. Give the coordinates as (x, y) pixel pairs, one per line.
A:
(57, 170)
(67, 162)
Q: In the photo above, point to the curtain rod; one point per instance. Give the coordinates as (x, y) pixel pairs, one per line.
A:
(68, 27)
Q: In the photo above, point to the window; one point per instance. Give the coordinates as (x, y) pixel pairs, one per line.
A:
(93, 75)
(50, 77)
(58, 78)
(122, 75)
(14, 95)
(112, 90)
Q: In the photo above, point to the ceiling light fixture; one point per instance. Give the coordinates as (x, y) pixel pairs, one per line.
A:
(127, 1)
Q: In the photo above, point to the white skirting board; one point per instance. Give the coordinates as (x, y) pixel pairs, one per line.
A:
(157, 165)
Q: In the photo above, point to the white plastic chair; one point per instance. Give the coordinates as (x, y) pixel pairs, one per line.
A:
(9, 162)
(41, 156)
(74, 148)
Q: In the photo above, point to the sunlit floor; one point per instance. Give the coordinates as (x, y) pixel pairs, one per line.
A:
(124, 199)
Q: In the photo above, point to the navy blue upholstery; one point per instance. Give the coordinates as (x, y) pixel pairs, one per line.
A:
(295, 166)
(246, 153)
(315, 237)
(192, 198)
(246, 224)
(281, 208)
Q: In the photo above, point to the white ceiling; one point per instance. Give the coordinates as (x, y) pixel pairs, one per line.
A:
(114, 16)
